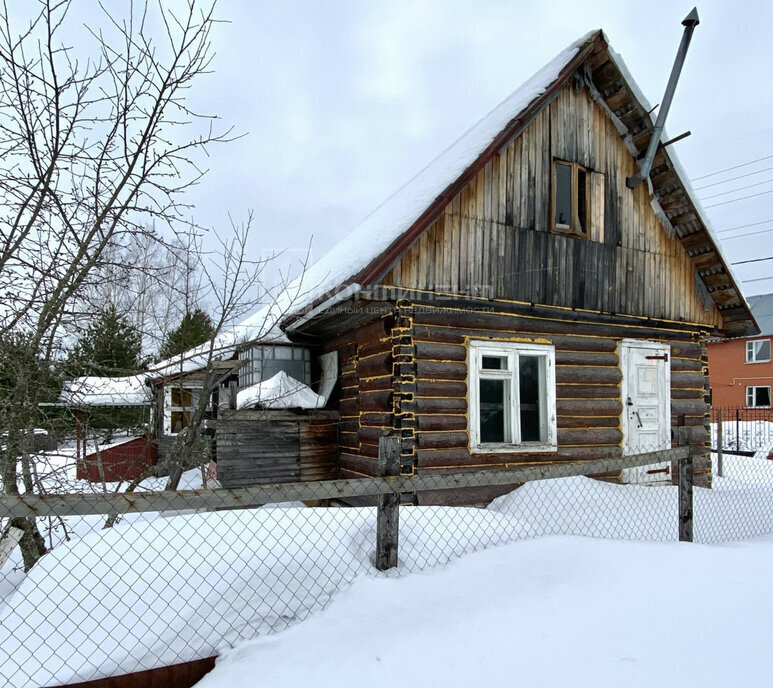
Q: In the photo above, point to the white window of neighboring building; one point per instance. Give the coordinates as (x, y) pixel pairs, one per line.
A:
(179, 405)
(758, 397)
(512, 397)
(757, 350)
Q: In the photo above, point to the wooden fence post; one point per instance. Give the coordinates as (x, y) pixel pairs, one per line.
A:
(720, 442)
(685, 486)
(388, 518)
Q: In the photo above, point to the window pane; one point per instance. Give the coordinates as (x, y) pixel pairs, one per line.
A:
(296, 369)
(528, 370)
(750, 396)
(762, 350)
(283, 352)
(749, 352)
(494, 363)
(493, 411)
(563, 195)
(582, 201)
(181, 397)
(180, 420)
(763, 396)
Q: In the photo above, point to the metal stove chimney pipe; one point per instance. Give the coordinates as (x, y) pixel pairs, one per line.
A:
(689, 23)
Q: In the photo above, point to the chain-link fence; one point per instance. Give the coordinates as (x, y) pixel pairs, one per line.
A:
(181, 575)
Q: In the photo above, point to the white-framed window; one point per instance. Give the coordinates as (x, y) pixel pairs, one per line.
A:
(758, 351)
(179, 405)
(758, 397)
(512, 397)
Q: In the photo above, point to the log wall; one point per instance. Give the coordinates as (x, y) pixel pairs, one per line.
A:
(493, 239)
(366, 395)
(588, 378)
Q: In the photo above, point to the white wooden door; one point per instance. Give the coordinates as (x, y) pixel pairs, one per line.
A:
(646, 396)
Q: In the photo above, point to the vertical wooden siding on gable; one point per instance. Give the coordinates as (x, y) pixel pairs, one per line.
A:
(492, 239)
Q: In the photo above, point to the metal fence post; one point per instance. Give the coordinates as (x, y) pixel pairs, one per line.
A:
(685, 487)
(720, 442)
(388, 518)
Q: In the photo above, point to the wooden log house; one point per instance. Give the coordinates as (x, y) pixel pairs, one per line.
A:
(533, 308)
(516, 302)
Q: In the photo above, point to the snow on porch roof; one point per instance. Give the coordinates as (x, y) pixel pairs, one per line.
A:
(83, 392)
(279, 392)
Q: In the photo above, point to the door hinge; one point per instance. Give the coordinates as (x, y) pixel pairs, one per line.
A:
(666, 470)
(662, 357)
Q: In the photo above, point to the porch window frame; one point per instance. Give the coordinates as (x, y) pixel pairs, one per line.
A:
(184, 409)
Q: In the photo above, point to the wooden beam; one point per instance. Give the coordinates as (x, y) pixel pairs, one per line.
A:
(388, 514)
(24, 505)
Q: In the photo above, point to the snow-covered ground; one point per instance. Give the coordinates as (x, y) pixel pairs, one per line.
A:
(555, 611)
(158, 592)
(55, 471)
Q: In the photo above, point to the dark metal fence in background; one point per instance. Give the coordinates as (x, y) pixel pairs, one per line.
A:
(740, 432)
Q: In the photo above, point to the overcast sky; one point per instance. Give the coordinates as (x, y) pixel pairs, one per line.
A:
(342, 102)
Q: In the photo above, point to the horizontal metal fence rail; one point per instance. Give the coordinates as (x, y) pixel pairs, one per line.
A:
(28, 505)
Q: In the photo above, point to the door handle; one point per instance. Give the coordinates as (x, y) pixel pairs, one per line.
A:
(638, 418)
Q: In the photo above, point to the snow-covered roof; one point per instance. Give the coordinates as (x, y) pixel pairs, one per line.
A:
(106, 391)
(337, 271)
(395, 216)
(279, 392)
(762, 309)
(372, 238)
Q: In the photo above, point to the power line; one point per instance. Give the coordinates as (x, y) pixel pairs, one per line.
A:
(735, 167)
(742, 188)
(742, 198)
(753, 260)
(751, 224)
(732, 179)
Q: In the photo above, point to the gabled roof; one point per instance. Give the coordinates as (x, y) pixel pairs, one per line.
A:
(371, 249)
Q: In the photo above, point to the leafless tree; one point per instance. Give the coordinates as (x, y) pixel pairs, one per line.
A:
(96, 143)
(235, 285)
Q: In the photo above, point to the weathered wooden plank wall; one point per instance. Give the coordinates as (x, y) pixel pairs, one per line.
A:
(493, 238)
(264, 446)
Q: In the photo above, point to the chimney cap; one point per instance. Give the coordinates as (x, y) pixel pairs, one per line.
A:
(692, 18)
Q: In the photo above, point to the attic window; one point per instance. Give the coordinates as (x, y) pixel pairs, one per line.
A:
(578, 201)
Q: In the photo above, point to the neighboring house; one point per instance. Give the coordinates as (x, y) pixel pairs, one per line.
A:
(126, 458)
(513, 303)
(741, 369)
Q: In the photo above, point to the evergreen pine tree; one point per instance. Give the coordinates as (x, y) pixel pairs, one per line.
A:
(195, 328)
(111, 346)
